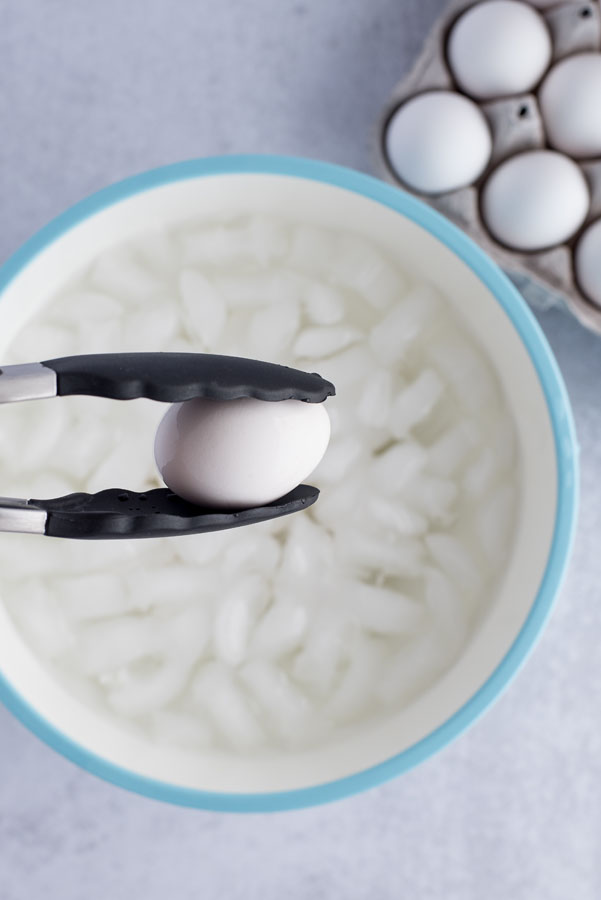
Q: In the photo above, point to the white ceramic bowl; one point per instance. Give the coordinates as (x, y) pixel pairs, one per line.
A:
(428, 244)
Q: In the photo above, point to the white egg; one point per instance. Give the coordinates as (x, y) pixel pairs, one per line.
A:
(570, 102)
(587, 260)
(438, 141)
(535, 200)
(497, 48)
(237, 454)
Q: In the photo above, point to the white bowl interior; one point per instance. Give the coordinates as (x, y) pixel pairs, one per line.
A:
(218, 197)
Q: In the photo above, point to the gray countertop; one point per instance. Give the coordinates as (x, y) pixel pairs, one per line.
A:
(92, 92)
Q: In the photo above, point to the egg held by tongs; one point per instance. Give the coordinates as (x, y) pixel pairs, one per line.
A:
(237, 454)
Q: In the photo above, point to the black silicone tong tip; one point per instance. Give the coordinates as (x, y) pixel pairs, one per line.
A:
(174, 377)
(116, 513)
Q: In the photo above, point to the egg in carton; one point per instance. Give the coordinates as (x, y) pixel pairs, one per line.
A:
(484, 130)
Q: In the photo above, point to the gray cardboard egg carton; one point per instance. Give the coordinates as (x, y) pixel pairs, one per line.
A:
(545, 278)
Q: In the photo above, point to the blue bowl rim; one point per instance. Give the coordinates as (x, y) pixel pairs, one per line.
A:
(567, 471)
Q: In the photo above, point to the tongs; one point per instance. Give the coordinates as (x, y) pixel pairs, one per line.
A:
(169, 378)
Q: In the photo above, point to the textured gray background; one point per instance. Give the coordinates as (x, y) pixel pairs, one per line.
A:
(92, 92)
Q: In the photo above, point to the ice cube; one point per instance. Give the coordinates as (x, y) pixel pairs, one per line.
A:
(45, 341)
(204, 307)
(342, 457)
(353, 694)
(252, 552)
(117, 273)
(432, 497)
(339, 503)
(396, 467)
(122, 466)
(324, 304)
(215, 246)
(272, 329)
(345, 369)
(200, 549)
(82, 304)
(464, 367)
(35, 428)
(306, 547)
(311, 248)
(280, 630)
(284, 704)
(102, 337)
(394, 515)
(397, 331)
(415, 402)
(153, 587)
(268, 240)
(37, 555)
(111, 644)
(147, 693)
(236, 614)
(380, 610)
(296, 560)
(373, 409)
(186, 634)
(149, 330)
(48, 485)
(97, 595)
(217, 690)
(42, 431)
(245, 290)
(362, 551)
(326, 645)
(358, 265)
(288, 285)
(82, 450)
(324, 340)
(158, 251)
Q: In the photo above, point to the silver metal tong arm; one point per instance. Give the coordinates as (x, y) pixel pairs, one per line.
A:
(21, 516)
(29, 381)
